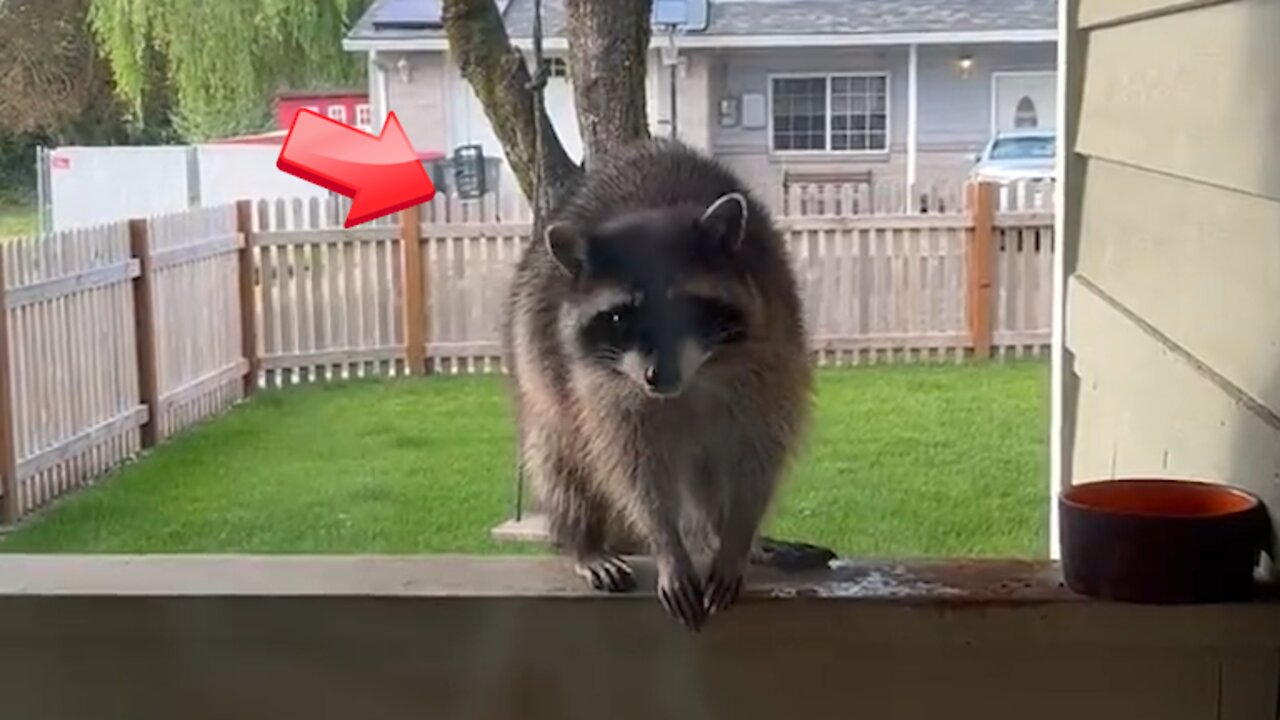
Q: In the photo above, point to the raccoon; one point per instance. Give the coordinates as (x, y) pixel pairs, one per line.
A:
(660, 373)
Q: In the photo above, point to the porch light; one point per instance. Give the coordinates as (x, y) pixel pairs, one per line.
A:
(966, 65)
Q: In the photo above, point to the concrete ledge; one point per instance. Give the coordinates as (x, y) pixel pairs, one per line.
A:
(948, 583)
(988, 585)
(196, 637)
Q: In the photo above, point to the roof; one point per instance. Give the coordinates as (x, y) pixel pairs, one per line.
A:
(277, 137)
(807, 17)
(409, 19)
(738, 18)
(326, 93)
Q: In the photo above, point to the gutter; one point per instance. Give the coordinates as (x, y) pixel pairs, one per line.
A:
(440, 44)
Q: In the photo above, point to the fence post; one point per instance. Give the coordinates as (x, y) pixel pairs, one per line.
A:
(981, 266)
(415, 290)
(144, 319)
(10, 505)
(248, 303)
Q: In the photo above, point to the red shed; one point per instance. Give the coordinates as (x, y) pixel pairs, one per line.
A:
(347, 106)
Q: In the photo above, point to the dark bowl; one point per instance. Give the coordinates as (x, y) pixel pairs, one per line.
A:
(1161, 541)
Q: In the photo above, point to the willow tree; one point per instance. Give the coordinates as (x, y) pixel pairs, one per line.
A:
(608, 47)
(52, 79)
(225, 58)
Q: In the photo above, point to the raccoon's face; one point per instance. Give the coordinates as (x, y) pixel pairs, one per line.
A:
(653, 300)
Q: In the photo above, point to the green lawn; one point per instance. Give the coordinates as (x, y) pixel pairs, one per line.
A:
(16, 219)
(903, 461)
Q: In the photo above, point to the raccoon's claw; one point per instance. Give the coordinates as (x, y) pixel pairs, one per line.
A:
(723, 589)
(681, 594)
(609, 573)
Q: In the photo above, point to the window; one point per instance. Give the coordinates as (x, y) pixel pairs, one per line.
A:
(556, 67)
(859, 113)
(1025, 116)
(338, 112)
(833, 113)
(364, 116)
(800, 114)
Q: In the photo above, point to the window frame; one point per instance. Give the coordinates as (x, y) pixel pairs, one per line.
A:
(367, 110)
(827, 76)
(337, 112)
(557, 67)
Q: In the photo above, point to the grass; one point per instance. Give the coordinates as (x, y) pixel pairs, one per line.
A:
(903, 461)
(16, 219)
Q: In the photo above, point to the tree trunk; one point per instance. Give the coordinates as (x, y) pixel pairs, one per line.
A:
(500, 78)
(608, 45)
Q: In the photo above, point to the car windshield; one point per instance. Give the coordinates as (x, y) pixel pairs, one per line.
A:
(1022, 148)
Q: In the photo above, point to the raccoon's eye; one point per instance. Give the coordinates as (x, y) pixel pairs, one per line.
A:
(620, 316)
(610, 330)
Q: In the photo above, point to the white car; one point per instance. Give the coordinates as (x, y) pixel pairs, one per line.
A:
(1017, 155)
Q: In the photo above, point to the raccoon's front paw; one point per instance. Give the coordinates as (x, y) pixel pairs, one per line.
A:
(680, 590)
(609, 573)
(724, 584)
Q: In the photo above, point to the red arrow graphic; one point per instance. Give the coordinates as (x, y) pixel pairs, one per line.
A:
(382, 174)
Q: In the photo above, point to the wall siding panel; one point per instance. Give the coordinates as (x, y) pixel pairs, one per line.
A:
(1191, 94)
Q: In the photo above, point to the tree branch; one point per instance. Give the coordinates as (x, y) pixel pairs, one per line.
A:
(608, 45)
(500, 79)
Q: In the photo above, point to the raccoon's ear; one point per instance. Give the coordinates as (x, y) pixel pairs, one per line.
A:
(567, 245)
(726, 220)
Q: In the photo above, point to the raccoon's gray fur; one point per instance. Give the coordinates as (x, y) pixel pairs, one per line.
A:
(660, 370)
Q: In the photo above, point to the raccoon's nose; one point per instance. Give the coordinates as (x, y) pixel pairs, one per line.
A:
(662, 383)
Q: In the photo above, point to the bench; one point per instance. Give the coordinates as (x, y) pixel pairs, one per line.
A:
(825, 177)
(809, 180)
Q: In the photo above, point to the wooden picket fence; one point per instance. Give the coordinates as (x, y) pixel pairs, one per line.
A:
(915, 287)
(111, 339)
(876, 288)
(116, 337)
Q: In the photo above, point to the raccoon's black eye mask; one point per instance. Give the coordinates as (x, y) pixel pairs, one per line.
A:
(612, 331)
(622, 327)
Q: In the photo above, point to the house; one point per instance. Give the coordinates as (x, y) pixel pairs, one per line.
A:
(345, 106)
(886, 90)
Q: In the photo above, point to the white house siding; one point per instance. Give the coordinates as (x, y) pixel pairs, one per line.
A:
(439, 111)
(421, 103)
(1173, 242)
(954, 111)
(697, 78)
(749, 71)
